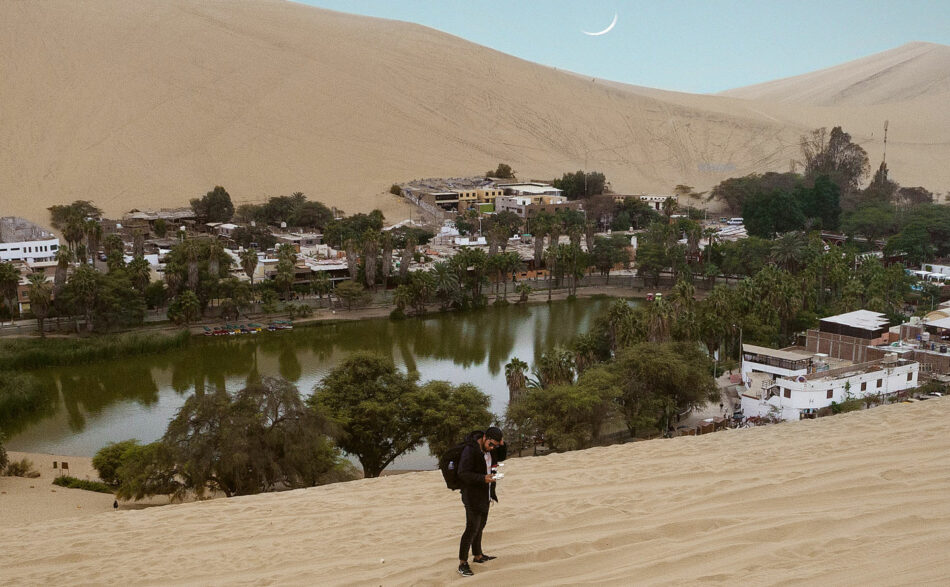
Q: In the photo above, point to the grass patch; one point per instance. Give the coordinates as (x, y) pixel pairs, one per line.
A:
(74, 483)
(20, 394)
(31, 353)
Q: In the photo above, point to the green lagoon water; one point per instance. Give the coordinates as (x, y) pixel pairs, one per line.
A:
(92, 405)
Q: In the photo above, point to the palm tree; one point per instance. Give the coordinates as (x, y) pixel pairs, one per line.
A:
(140, 273)
(407, 254)
(9, 280)
(63, 257)
(681, 297)
(556, 367)
(402, 297)
(540, 226)
(789, 250)
(670, 206)
(446, 283)
(215, 254)
(515, 376)
(511, 263)
(321, 284)
(73, 231)
(249, 263)
(93, 231)
(525, 290)
(387, 245)
(86, 283)
(371, 240)
(41, 294)
(658, 321)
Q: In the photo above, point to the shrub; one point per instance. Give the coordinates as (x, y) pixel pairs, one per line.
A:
(3, 454)
(395, 190)
(22, 468)
(109, 458)
(74, 483)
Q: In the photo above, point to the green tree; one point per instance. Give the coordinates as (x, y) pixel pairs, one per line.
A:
(249, 263)
(9, 280)
(185, 309)
(503, 171)
(657, 376)
(352, 294)
(377, 410)
(579, 185)
(140, 273)
(569, 416)
(449, 412)
(160, 227)
(516, 377)
(40, 293)
(608, 252)
(70, 219)
(833, 154)
(261, 439)
(214, 206)
(286, 264)
(109, 458)
(766, 214)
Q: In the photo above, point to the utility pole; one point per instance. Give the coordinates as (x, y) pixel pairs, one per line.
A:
(884, 158)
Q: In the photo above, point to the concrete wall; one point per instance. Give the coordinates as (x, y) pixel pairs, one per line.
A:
(838, 346)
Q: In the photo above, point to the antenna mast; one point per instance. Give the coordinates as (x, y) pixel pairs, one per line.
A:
(884, 159)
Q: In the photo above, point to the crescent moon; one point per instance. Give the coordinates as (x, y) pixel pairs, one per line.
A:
(606, 30)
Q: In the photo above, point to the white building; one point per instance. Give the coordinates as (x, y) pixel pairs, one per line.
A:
(796, 396)
(21, 240)
(529, 189)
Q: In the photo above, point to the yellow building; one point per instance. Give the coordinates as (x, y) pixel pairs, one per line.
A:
(487, 196)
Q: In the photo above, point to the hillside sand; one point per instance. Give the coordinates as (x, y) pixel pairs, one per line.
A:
(150, 103)
(28, 501)
(846, 500)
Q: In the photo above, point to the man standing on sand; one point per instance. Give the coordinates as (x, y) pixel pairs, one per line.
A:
(480, 455)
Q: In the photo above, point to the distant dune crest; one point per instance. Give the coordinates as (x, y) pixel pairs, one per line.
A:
(911, 71)
(150, 103)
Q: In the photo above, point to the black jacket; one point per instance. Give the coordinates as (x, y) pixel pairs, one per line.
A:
(471, 472)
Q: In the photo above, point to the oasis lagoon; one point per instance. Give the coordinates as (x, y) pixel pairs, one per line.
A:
(92, 405)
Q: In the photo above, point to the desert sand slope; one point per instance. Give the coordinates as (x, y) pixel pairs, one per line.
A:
(909, 72)
(152, 102)
(851, 500)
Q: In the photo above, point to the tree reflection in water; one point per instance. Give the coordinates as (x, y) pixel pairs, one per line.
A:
(477, 345)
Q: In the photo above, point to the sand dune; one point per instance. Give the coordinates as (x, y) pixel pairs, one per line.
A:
(909, 72)
(150, 103)
(853, 499)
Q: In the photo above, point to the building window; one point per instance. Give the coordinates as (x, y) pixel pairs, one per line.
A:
(788, 392)
(864, 386)
(830, 394)
(879, 382)
(910, 376)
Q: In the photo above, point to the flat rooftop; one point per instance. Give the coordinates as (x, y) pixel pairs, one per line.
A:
(788, 355)
(863, 319)
(14, 229)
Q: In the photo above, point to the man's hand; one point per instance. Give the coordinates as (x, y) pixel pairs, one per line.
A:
(489, 478)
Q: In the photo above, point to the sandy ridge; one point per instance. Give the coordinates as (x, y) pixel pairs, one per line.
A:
(153, 102)
(854, 499)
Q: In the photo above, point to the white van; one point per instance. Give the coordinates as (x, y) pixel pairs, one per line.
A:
(734, 221)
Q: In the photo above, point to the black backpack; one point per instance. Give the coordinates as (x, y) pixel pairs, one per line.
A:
(449, 463)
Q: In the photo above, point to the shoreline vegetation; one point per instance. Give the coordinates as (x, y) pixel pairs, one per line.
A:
(37, 353)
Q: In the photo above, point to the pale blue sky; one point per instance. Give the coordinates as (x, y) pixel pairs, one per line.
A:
(689, 46)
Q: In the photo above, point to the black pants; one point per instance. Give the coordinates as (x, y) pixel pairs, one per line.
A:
(472, 537)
